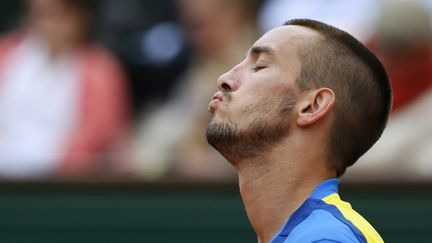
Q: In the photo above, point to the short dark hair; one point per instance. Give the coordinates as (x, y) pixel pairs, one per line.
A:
(362, 87)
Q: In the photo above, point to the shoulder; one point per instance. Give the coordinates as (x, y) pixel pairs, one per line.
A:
(322, 226)
(345, 213)
(98, 56)
(10, 39)
(101, 64)
(8, 43)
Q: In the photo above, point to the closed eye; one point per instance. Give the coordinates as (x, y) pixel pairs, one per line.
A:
(257, 68)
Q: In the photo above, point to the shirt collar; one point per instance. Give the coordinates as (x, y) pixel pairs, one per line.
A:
(326, 188)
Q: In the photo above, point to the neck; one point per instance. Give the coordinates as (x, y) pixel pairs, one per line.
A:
(273, 187)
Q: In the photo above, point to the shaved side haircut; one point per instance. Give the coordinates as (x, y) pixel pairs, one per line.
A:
(338, 61)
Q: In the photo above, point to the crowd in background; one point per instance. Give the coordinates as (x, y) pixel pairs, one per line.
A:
(120, 89)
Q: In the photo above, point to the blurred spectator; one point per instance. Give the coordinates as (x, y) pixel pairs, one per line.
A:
(63, 106)
(171, 137)
(403, 43)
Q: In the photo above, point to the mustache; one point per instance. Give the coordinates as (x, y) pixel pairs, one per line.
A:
(227, 95)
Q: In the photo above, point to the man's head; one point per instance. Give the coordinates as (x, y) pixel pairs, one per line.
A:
(302, 75)
(61, 23)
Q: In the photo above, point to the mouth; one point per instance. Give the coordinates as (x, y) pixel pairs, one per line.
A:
(216, 99)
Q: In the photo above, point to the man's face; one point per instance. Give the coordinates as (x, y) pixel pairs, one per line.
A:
(57, 22)
(254, 108)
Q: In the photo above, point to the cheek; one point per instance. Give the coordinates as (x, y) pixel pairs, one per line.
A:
(266, 102)
(251, 108)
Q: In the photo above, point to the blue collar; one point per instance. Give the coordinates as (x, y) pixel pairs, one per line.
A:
(326, 188)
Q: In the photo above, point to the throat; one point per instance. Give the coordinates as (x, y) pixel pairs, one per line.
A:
(270, 195)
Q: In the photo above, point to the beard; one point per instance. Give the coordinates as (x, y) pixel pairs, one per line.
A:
(263, 131)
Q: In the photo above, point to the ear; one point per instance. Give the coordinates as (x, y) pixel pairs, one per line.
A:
(316, 105)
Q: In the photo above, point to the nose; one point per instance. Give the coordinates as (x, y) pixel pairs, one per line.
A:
(226, 83)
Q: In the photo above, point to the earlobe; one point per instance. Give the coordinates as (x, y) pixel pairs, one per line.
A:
(317, 104)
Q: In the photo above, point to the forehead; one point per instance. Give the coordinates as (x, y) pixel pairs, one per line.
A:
(286, 40)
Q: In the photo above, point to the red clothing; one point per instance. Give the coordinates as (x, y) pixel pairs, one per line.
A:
(104, 110)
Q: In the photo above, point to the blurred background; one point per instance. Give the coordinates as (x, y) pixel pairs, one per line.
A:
(103, 111)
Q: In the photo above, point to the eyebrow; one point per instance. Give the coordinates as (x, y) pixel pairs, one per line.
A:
(257, 50)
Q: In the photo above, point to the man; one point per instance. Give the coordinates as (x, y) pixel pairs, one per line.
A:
(306, 102)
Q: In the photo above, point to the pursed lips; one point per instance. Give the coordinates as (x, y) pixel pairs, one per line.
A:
(217, 98)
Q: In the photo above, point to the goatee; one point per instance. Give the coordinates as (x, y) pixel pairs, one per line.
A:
(237, 145)
(268, 125)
